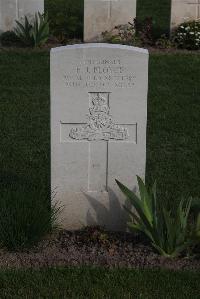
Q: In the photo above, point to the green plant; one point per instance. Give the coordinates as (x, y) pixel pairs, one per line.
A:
(24, 32)
(40, 30)
(144, 30)
(9, 39)
(96, 234)
(25, 217)
(187, 35)
(164, 42)
(33, 33)
(160, 11)
(197, 227)
(195, 235)
(166, 230)
(66, 18)
(137, 33)
(124, 34)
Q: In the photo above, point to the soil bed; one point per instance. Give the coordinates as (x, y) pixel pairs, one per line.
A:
(94, 247)
(47, 47)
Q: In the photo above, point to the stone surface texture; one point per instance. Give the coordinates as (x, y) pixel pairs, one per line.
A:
(104, 15)
(98, 130)
(184, 10)
(11, 10)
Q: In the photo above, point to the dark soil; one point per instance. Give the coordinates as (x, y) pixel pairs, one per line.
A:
(94, 247)
(53, 43)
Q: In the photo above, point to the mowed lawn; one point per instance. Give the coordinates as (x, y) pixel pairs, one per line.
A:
(173, 143)
(86, 283)
(173, 158)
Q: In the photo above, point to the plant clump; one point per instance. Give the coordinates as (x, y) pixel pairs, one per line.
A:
(187, 35)
(167, 229)
(33, 32)
(10, 39)
(137, 33)
(66, 19)
(26, 216)
(124, 34)
(140, 33)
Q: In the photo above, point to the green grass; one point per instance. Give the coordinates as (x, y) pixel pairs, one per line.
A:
(173, 144)
(24, 114)
(99, 283)
(173, 147)
(159, 10)
(173, 158)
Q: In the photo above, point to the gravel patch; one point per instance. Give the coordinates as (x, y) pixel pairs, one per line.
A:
(95, 247)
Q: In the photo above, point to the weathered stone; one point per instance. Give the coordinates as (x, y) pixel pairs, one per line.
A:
(104, 15)
(184, 10)
(11, 10)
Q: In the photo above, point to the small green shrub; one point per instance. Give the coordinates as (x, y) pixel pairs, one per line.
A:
(134, 34)
(197, 227)
(33, 33)
(121, 34)
(9, 39)
(144, 30)
(187, 35)
(66, 18)
(24, 32)
(40, 30)
(160, 11)
(96, 234)
(195, 236)
(25, 217)
(164, 42)
(167, 230)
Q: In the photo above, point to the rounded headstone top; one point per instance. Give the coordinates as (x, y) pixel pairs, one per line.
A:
(100, 45)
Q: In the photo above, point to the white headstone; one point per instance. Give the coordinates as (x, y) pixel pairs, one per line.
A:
(11, 10)
(183, 11)
(98, 129)
(104, 15)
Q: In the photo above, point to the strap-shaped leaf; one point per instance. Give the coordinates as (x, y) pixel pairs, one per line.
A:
(138, 206)
(146, 200)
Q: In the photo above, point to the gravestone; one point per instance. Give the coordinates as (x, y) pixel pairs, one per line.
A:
(104, 15)
(11, 10)
(98, 130)
(183, 11)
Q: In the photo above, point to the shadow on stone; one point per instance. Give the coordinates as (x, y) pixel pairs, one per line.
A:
(115, 217)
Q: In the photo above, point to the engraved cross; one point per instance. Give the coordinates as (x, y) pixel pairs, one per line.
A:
(99, 131)
(110, 9)
(17, 9)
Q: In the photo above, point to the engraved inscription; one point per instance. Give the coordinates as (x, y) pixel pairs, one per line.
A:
(100, 125)
(107, 73)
